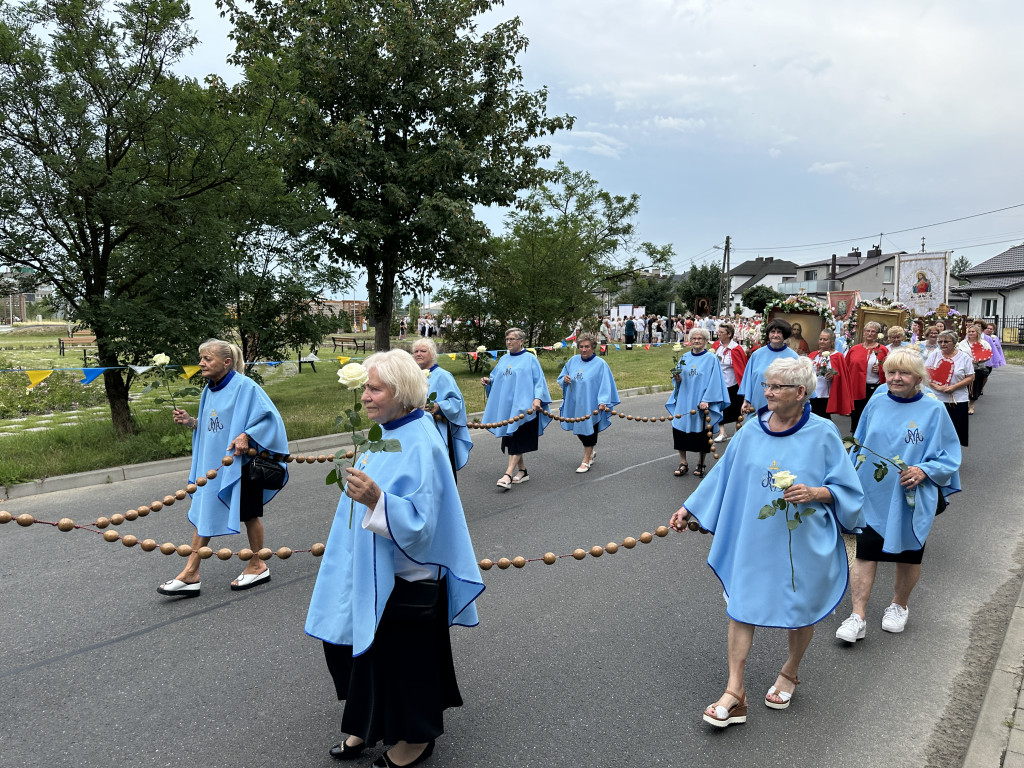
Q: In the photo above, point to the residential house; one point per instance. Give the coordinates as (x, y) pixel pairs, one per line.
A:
(996, 288)
(873, 274)
(763, 270)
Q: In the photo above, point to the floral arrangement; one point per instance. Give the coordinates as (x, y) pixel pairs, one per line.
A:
(850, 327)
(797, 303)
(783, 480)
(353, 377)
(822, 365)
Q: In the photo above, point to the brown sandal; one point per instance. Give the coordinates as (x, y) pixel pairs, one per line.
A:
(720, 716)
(784, 695)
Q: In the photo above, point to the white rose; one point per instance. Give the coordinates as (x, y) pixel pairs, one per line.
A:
(783, 479)
(161, 359)
(352, 376)
(558, 345)
(426, 373)
(677, 347)
(481, 349)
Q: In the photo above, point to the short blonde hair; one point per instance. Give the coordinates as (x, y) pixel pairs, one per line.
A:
(873, 324)
(518, 333)
(429, 345)
(697, 331)
(227, 351)
(799, 372)
(906, 359)
(400, 374)
(897, 331)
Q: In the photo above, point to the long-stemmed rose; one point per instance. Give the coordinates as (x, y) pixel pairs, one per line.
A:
(353, 377)
(161, 361)
(852, 444)
(783, 480)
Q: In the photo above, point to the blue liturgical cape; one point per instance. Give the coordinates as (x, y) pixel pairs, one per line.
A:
(227, 409)
(516, 380)
(920, 432)
(759, 361)
(592, 385)
(701, 381)
(751, 556)
(453, 407)
(426, 523)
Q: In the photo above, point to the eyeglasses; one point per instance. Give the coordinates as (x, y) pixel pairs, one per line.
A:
(773, 388)
(945, 341)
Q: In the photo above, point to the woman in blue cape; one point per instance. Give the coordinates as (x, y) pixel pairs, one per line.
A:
(777, 548)
(234, 415)
(588, 394)
(699, 392)
(448, 407)
(777, 332)
(398, 571)
(899, 422)
(517, 385)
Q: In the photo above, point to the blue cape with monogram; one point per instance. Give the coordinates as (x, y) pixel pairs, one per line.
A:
(234, 405)
(920, 432)
(426, 522)
(516, 380)
(453, 407)
(592, 385)
(751, 555)
(758, 362)
(701, 381)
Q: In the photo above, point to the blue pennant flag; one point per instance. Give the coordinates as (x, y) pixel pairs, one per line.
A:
(493, 353)
(91, 374)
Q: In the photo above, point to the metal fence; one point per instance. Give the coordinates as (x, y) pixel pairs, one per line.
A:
(1009, 329)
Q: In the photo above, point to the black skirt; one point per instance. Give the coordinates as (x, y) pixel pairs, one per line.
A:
(399, 688)
(732, 413)
(696, 442)
(961, 420)
(523, 440)
(250, 500)
(869, 547)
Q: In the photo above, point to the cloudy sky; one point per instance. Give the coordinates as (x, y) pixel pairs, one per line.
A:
(798, 127)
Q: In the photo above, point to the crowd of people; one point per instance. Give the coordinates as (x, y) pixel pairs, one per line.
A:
(399, 567)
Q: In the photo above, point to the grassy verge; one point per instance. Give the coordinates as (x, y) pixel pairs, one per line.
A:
(308, 402)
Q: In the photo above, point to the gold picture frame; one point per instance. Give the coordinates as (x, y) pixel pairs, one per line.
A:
(884, 317)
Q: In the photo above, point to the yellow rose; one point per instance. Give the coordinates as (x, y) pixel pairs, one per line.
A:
(677, 347)
(161, 359)
(352, 376)
(783, 479)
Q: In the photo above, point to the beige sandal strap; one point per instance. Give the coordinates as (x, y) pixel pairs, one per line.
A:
(793, 680)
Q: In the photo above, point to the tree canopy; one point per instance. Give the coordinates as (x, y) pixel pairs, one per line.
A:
(699, 289)
(404, 115)
(568, 244)
(760, 296)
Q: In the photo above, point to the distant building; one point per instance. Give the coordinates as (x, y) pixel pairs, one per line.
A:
(996, 287)
(356, 309)
(763, 270)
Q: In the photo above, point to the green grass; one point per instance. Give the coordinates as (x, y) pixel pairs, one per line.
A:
(83, 440)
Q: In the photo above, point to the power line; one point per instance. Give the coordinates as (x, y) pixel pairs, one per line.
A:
(894, 232)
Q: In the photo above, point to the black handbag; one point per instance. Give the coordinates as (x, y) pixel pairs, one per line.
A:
(413, 600)
(264, 473)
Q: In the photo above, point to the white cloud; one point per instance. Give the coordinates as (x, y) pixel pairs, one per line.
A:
(827, 168)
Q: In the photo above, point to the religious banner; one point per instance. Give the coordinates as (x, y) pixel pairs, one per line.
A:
(922, 280)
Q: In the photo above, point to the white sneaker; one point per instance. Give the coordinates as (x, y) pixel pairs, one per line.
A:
(852, 630)
(721, 437)
(894, 618)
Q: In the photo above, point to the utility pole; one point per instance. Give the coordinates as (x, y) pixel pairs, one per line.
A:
(723, 282)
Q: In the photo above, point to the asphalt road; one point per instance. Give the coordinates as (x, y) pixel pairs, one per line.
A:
(604, 662)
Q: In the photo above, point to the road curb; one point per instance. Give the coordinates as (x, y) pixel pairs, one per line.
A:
(998, 738)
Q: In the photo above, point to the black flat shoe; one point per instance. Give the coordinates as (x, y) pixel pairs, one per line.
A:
(343, 751)
(385, 762)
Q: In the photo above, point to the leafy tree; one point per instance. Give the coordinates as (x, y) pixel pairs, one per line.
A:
(650, 292)
(960, 265)
(700, 283)
(569, 242)
(114, 175)
(759, 296)
(405, 116)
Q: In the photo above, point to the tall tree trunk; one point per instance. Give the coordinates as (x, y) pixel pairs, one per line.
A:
(117, 397)
(380, 288)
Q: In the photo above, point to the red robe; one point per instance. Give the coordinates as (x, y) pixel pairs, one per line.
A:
(739, 359)
(840, 401)
(857, 368)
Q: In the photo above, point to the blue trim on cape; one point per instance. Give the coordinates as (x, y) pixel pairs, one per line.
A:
(795, 428)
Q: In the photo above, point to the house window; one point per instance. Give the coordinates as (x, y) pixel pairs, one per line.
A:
(988, 307)
(811, 274)
(888, 274)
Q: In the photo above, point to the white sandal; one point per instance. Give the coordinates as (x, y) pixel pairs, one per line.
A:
(584, 467)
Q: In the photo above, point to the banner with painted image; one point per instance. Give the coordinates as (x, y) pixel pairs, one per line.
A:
(922, 280)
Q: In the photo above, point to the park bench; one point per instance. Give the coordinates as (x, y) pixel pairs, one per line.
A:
(341, 341)
(77, 339)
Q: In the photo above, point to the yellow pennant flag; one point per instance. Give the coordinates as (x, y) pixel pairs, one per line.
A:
(343, 360)
(531, 350)
(37, 377)
(189, 371)
(451, 355)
